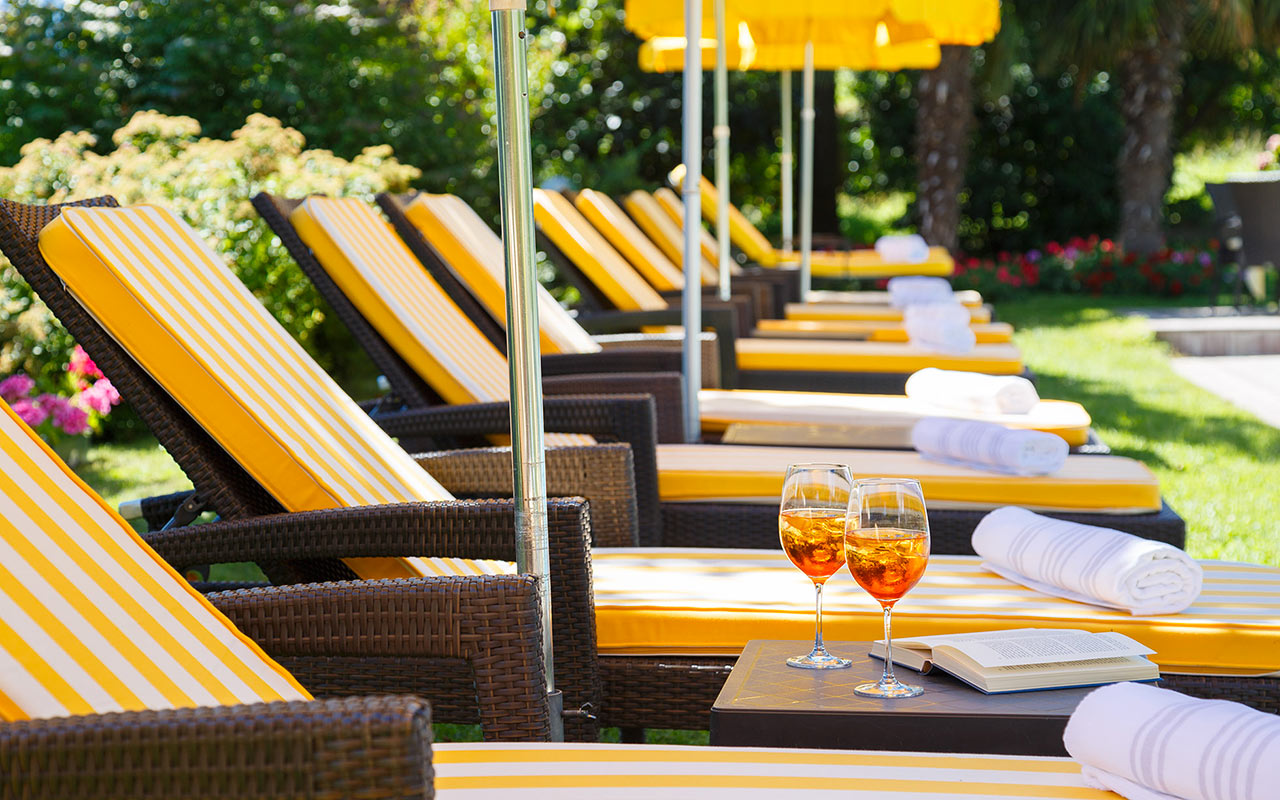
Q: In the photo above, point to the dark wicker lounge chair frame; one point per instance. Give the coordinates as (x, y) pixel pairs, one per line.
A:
(637, 692)
(682, 524)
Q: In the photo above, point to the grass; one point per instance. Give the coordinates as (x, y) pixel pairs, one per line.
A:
(1218, 466)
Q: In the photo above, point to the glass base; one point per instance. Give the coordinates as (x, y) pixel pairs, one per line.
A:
(819, 660)
(887, 689)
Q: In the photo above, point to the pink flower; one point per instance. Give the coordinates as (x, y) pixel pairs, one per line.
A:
(1265, 160)
(1273, 142)
(30, 412)
(73, 419)
(16, 386)
(100, 397)
(81, 364)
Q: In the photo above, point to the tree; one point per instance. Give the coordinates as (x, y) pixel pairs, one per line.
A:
(1144, 42)
(944, 117)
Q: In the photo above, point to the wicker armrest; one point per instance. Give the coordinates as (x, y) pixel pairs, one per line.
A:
(667, 389)
(621, 418)
(481, 529)
(358, 747)
(722, 320)
(655, 359)
(601, 473)
(403, 636)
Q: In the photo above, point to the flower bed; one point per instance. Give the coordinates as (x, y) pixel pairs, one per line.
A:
(1091, 266)
(70, 410)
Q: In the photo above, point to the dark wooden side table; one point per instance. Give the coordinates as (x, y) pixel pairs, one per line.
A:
(765, 703)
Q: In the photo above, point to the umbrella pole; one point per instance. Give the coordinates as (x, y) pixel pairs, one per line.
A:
(721, 132)
(515, 178)
(784, 160)
(691, 143)
(806, 177)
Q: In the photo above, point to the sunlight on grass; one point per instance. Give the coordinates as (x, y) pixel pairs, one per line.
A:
(1217, 465)
(132, 471)
(1193, 169)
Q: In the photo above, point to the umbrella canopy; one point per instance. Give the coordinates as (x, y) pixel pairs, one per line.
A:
(948, 21)
(852, 46)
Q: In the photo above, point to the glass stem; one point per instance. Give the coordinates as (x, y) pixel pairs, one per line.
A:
(888, 677)
(817, 625)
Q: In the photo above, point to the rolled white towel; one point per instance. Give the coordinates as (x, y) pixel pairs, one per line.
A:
(941, 327)
(906, 290)
(908, 248)
(988, 446)
(1086, 563)
(1145, 743)
(972, 391)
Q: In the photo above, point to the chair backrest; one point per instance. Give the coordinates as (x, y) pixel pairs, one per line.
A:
(582, 244)
(614, 224)
(474, 252)
(91, 619)
(742, 233)
(406, 386)
(664, 232)
(167, 297)
(220, 480)
(673, 207)
(1258, 204)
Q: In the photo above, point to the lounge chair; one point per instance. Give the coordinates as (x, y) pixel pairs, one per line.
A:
(460, 251)
(642, 690)
(864, 263)
(823, 365)
(650, 245)
(710, 493)
(119, 679)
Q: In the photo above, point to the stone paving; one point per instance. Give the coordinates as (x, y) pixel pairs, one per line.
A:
(1249, 382)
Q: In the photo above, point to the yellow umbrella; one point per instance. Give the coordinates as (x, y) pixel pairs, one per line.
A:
(874, 34)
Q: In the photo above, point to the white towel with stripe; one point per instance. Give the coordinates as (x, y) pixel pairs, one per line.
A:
(989, 446)
(940, 327)
(906, 290)
(903, 248)
(973, 392)
(1088, 564)
(1145, 743)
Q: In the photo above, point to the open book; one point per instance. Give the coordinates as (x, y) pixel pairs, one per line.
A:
(1024, 659)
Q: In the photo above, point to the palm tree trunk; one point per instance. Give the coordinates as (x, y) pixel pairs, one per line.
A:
(944, 118)
(1150, 78)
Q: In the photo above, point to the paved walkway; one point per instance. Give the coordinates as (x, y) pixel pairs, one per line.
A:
(1249, 382)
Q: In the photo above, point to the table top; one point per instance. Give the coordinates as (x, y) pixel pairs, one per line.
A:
(762, 682)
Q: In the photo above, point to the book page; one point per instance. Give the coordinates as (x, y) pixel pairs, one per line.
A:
(1036, 646)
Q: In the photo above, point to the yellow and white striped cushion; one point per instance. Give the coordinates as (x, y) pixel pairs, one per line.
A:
(474, 251)
(622, 233)
(863, 311)
(393, 291)
(1103, 484)
(671, 601)
(742, 233)
(673, 207)
(379, 274)
(168, 298)
(828, 355)
(665, 232)
(91, 619)
(639, 772)
(595, 257)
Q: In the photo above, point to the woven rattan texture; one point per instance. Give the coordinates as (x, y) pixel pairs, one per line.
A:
(377, 748)
(222, 482)
(602, 474)
(697, 524)
(486, 628)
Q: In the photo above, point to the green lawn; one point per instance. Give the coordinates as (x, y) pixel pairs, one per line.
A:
(1218, 466)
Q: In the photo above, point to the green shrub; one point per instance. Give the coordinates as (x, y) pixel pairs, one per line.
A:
(209, 182)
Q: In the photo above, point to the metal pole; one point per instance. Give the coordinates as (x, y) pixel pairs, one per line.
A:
(721, 132)
(515, 177)
(691, 143)
(806, 177)
(785, 160)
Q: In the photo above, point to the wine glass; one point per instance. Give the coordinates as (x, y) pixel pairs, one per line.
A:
(886, 546)
(811, 525)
